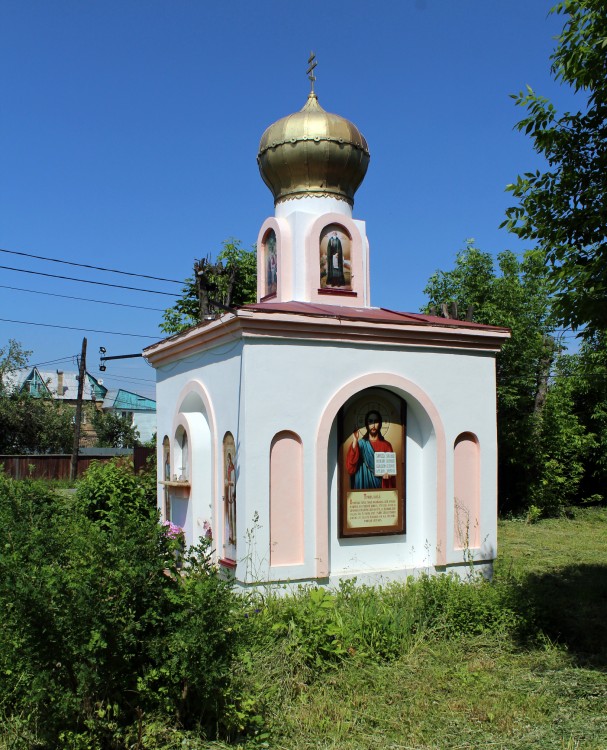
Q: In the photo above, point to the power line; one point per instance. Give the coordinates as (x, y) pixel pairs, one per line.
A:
(73, 328)
(82, 299)
(95, 268)
(120, 379)
(114, 378)
(87, 281)
(68, 358)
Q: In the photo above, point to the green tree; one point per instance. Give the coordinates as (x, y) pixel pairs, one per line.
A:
(12, 357)
(232, 281)
(562, 443)
(518, 297)
(34, 425)
(29, 424)
(114, 431)
(564, 208)
(587, 374)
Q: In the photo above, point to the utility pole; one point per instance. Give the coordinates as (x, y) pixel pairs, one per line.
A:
(78, 417)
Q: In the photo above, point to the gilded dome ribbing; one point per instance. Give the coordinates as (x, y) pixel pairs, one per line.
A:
(313, 152)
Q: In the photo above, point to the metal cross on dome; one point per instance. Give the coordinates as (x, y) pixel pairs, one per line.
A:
(311, 65)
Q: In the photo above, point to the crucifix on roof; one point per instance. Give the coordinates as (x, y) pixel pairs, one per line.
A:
(311, 65)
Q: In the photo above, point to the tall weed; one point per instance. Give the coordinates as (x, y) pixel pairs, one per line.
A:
(320, 628)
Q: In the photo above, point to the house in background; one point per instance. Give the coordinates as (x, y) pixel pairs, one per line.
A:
(141, 411)
(59, 385)
(62, 385)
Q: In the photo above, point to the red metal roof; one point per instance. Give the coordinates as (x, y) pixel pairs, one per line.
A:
(371, 314)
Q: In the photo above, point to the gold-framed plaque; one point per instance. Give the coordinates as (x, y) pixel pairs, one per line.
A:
(372, 464)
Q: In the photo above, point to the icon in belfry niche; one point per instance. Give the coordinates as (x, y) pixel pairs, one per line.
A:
(335, 258)
(271, 263)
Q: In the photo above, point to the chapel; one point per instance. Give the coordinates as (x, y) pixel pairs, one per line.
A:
(314, 436)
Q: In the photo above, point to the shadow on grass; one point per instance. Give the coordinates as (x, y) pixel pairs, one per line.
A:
(570, 607)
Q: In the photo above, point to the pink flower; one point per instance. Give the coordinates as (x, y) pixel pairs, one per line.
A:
(172, 530)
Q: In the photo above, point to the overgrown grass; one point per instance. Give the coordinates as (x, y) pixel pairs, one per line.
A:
(516, 664)
(466, 693)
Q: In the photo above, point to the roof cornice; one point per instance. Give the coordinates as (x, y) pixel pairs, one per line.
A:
(256, 324)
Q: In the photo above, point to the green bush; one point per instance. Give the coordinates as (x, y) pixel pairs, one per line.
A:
(110, 487)
(100, 630)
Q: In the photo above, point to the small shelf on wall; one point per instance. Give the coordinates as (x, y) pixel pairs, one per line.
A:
(177, 483)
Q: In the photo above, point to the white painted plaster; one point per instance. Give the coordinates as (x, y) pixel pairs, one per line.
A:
(264, 386)
(219, 372)
(315, 206)
(308, 374)
(362, 228)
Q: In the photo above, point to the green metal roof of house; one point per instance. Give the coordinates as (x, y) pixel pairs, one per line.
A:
(126, 400)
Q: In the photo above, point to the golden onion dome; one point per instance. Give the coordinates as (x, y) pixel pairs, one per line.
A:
(313, 152)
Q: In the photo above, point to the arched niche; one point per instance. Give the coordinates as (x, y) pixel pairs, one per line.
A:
(466, 491)
(230, 476)
(426, 537)
(274, 282)
(166, 477)
(270, 264)
(166, 458)
(195, 419)
(335, 259)
(286, 500)
(353, 293)
(371, 430)
(181, 453)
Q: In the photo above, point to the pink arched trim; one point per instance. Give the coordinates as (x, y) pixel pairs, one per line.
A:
(405, 388)
(313, 262)
(196, 387)
(284, 259)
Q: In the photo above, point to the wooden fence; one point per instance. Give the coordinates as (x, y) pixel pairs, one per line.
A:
(58, 466)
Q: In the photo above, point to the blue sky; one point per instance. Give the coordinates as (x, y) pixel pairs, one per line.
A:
(129, 133)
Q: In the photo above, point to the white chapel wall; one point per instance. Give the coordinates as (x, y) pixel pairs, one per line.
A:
(288, 386)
